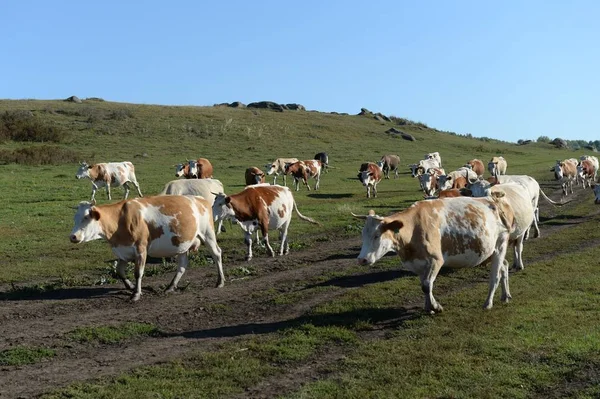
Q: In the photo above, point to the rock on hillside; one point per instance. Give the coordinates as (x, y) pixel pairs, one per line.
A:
(73, 99)
(276, 107)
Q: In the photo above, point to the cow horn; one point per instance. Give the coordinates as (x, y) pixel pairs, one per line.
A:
(93, 202)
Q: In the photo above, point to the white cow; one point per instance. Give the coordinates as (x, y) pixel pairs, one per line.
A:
(112, 174)
(423, 166)
(497, 166)
(435, 156)
(277, 167)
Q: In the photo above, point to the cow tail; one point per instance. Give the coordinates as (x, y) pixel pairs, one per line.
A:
(301, 216)
(550, 201)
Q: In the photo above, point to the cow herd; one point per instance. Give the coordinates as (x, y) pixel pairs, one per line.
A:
(464, 219)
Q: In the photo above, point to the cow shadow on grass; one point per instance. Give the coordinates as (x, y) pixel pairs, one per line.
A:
(561, 220)
(330, 196)
(363, 279)
(377, 318)
(37, 293)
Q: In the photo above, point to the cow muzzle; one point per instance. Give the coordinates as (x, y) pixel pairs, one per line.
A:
(362, 261)
(74, 239)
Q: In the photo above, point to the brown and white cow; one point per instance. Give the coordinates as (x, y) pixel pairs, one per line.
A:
(324, 158)
(452, 232)
(586, 171)
(160, 226)
(594, 162)
(430, 181)
(277, 167)
(389, 163)
(265, 207)
(457, 179)
(370, 174)
(112, 174)
(423, 166)
(566, 173)
(497, 166)
(477, 166)
(254, 176)
(201, 169)
(304, 170)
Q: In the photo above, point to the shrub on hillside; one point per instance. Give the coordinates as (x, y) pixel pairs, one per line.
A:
(543, 139)
(23, 126)
(43, 155)
(120, 114)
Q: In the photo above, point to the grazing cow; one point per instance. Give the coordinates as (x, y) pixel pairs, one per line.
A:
(278, 167)
(324, 158)
(586, 170)
(303, 170)
(477, 166)
(457, 179)
(112, 174)
(205, 188)
(453, 232)
(261, 207)
(435, 156)
(201, 169)
(453, 193)
(497, 166)
(161, 226)
(565, 172)
(523, 211)
(423, 166)
(596, 188)
(389, 163)
(594, 162)
(370, 175)
(254, 176)
(429, 181)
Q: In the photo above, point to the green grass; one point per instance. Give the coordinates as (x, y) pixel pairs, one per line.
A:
(112, 334)
(23, 355)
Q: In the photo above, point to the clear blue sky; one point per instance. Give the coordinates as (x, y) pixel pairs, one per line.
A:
(502, 69)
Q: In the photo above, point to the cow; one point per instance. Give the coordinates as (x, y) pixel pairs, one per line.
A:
(324, 158)
(452, 232)
(389, 163)
(112, 174)
(303, 170)
(596, 188)
(278, 167)
(533, 190)
(370, 175)
(497, 166)
(202, 187)
(254, 176)
(159, 226)
(457, 179)
(565, 172)
(423, 166)
(261, 207)
(477, 166)
(523, 211)
(201, 169)
(594, 162)
(435, 156)
(453, 193)
(182, 169)
(429, 181)
(586, 171)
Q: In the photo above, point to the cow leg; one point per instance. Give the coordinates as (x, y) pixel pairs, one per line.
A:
(518, 253)
(368, 191)
(137, 187)
(497, 265)
(210, 240)
(126, 187)
(427, 278)
(182, 262)
(219, 226)
(318, 182)
(305, 181)
(504, 280)
(396, 173)
(283, 237)
(140, 264)
(248, 241)
(121, 267)
(375, 190)
(108, 191)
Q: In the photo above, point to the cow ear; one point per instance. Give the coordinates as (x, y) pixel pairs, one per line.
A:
(394, 225)
(227, 200)
(94, 214)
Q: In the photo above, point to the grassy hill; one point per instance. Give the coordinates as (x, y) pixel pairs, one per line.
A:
(35, 218)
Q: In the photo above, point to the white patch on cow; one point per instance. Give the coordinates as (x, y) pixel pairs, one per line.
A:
(86, 228)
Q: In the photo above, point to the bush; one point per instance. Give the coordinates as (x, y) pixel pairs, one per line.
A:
(23, 126)
(543, 139)
(42, 155)
(120, 114)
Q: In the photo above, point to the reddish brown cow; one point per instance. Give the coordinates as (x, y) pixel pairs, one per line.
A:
(303, 170)
(370, 174)
(201, 169)
(254, 176)
(588, 171)
(477, 166)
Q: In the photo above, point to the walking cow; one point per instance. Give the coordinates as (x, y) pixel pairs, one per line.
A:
(112, 174)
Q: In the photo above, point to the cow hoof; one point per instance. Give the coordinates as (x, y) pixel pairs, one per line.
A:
(220, 284)
(506, 298)
(248, 258)
(135, 297)
(170, 290)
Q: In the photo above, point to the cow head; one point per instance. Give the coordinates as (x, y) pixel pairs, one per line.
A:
(87, 226)
(493, 168)
(445, 182)
(83, 171)
(413, 169)
(193, 172)
(366, 177)
(558, 172)
(222, 208)
(258, 176)
(180, 169)
(428, 182)
(271, 168)
(480, 188)
(377, 237)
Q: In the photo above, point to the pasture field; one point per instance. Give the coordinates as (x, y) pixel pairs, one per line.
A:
(312, 324)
